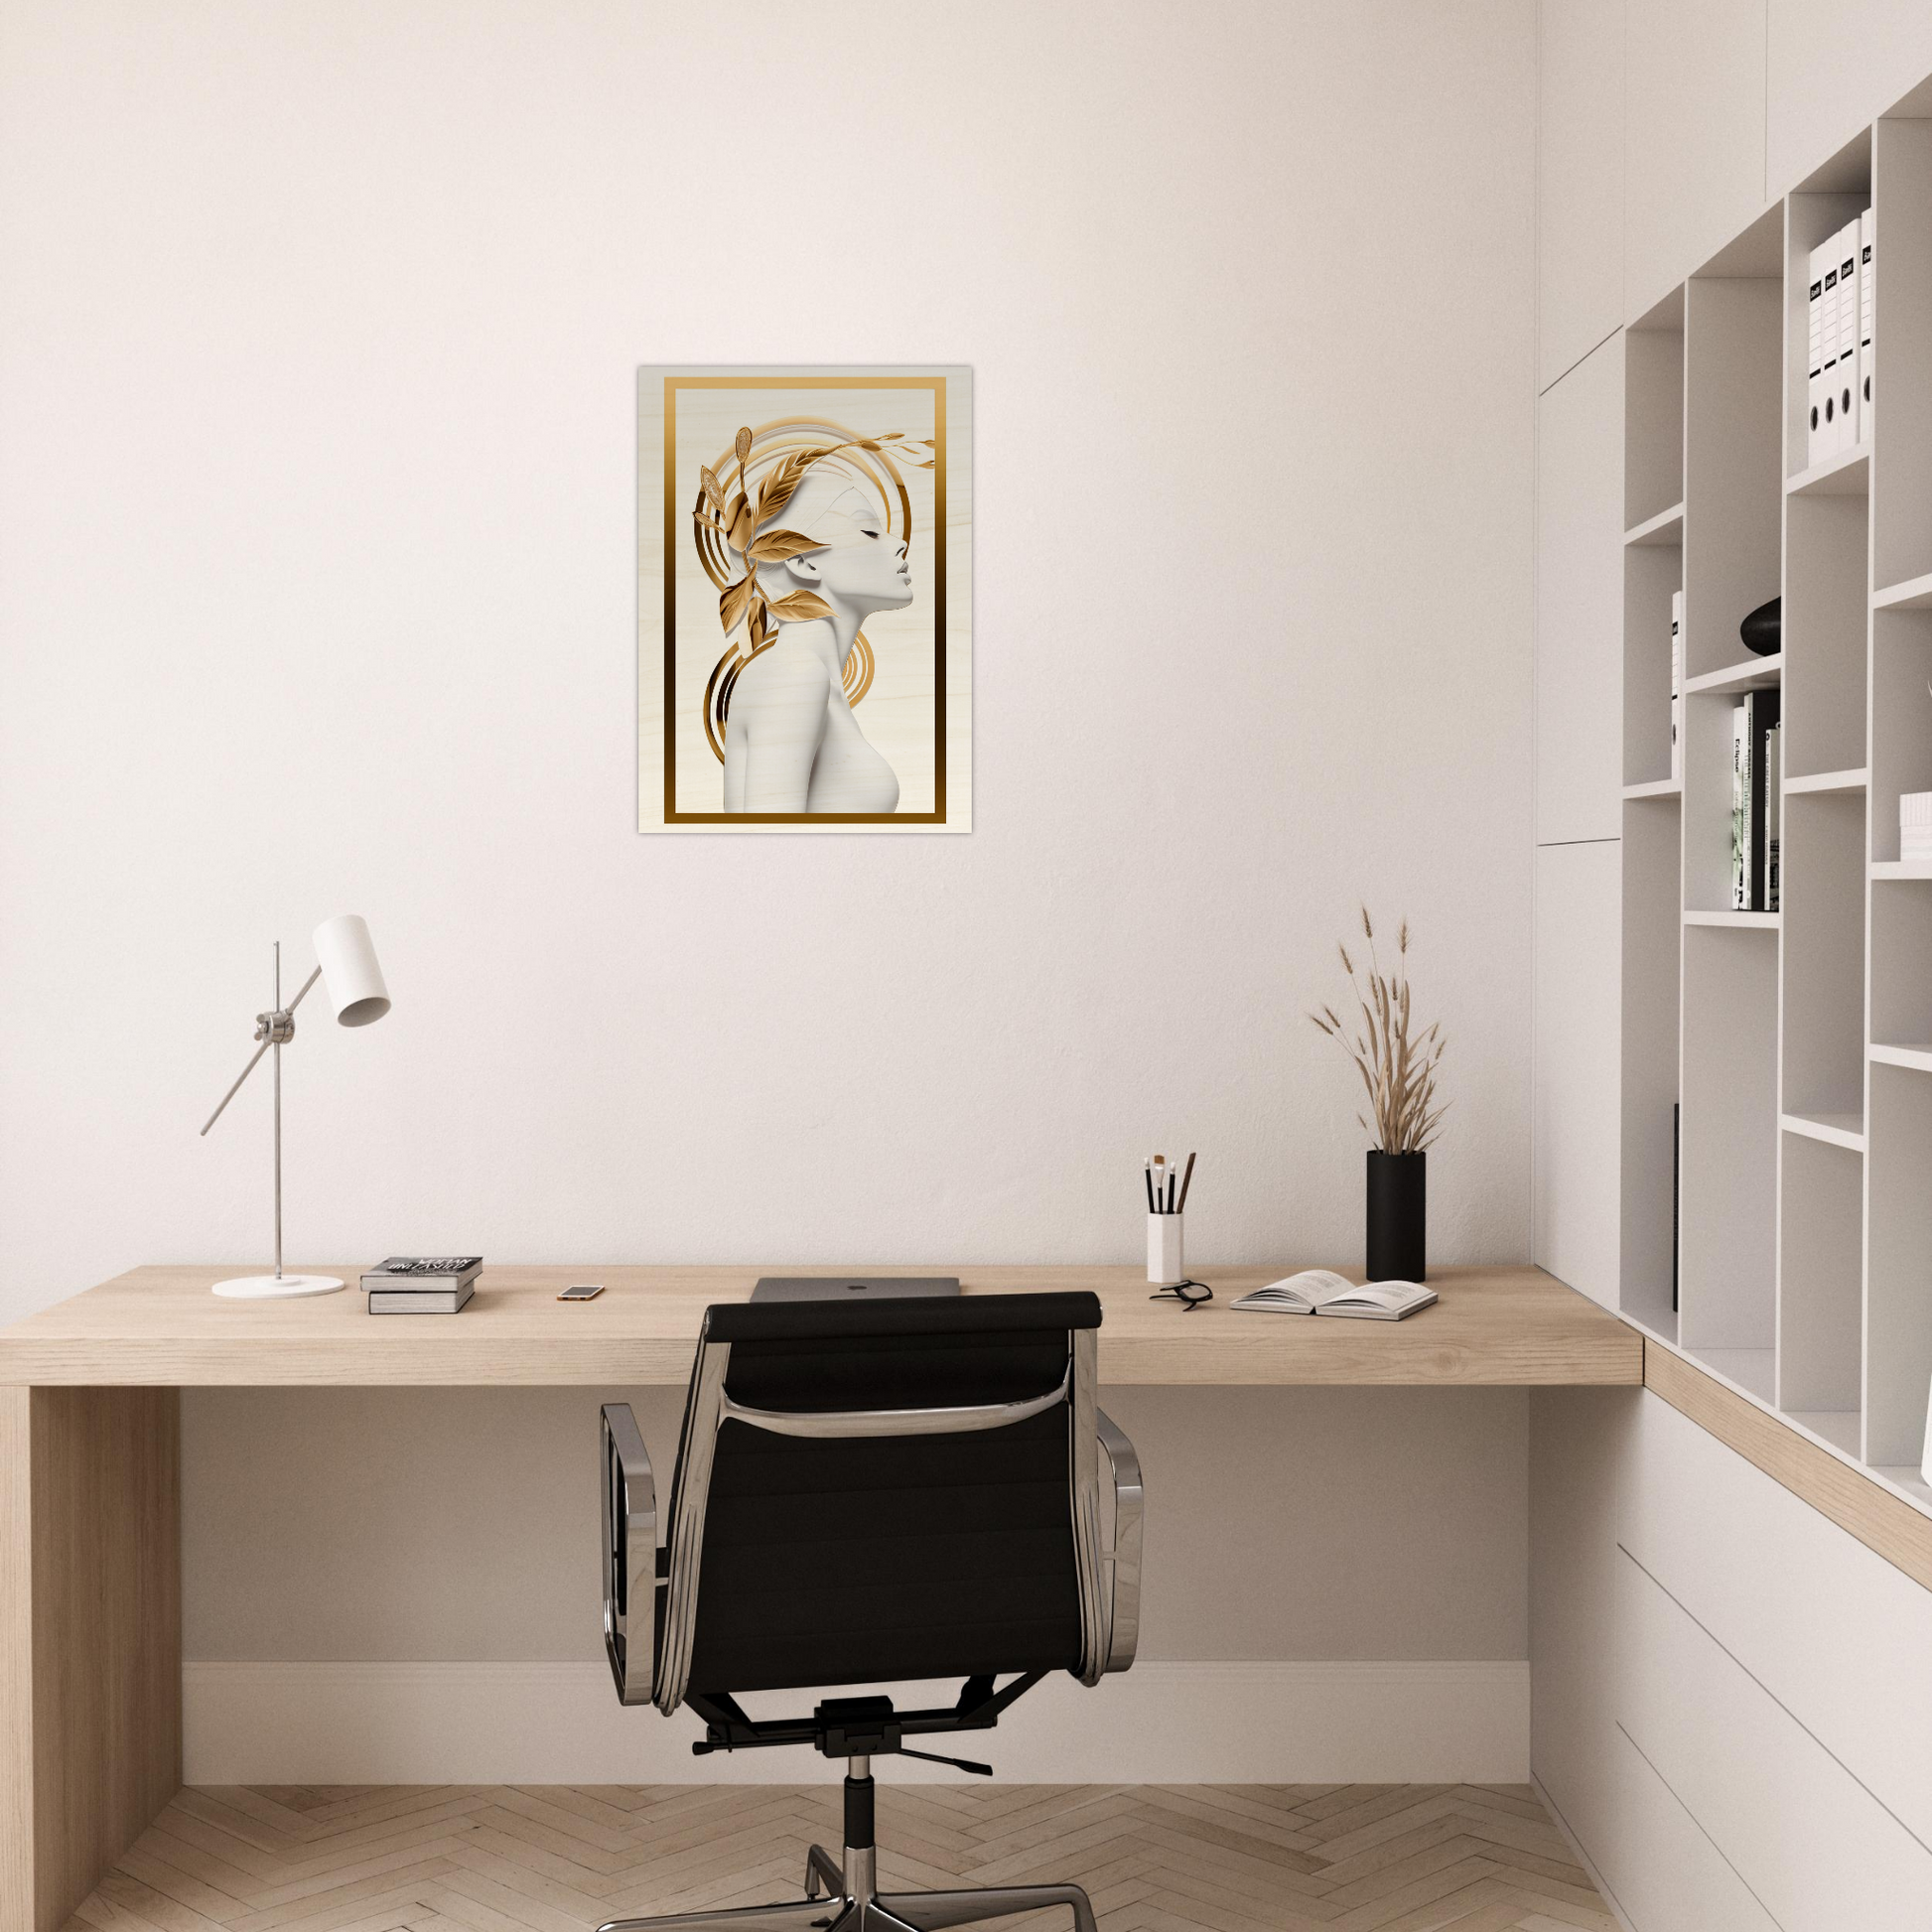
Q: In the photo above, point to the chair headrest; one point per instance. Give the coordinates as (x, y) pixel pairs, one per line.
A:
(951, 1315)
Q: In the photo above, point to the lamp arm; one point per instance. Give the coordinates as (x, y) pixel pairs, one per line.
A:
(236, 1088)
(304, 994)
(267, 1034)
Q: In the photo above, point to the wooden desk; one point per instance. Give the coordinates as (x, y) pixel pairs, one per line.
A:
(161, 1327)
(90, 1462)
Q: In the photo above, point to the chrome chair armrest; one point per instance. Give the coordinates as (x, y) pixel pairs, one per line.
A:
(1124, 1558)
(630, 1555)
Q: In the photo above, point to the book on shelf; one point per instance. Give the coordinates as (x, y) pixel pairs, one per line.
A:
(1753, 818)
(1773, 809)
(1740, 811)
(1915, 825)
(1676, 687)
(1676, 1193)
(420, 1300)
(423, 1274)
(1321, 1291)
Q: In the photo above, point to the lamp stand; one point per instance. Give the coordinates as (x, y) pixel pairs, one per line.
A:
(274, 1029)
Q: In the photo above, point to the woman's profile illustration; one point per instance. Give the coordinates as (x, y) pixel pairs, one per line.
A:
(805, 530)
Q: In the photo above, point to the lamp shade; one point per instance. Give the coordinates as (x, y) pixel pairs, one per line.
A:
(349, 975)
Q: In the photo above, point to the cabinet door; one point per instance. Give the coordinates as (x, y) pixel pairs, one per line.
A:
(1831, 67)
(1579, 180)
(1693, 137)
(1575, 1110)
(1580, 602)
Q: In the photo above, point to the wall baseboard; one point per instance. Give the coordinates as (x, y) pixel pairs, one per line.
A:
(560, 1724)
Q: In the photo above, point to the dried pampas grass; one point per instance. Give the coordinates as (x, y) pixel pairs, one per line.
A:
(1398, 1071)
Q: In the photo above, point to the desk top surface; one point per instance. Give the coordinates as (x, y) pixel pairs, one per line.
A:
(159, 1326)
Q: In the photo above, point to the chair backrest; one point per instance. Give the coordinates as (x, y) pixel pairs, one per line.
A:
(885, 1491)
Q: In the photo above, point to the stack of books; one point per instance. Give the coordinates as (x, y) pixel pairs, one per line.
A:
(422, 1283)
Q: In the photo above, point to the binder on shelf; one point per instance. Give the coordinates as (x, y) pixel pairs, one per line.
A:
(1815, 358)
(1773, 813)
(1676, 687)
(1867, 302)
(1848, 337)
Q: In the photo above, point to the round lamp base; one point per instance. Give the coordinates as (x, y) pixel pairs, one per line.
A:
(276, 1287)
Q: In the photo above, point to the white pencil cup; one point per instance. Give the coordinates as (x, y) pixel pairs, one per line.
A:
(1163, 1262)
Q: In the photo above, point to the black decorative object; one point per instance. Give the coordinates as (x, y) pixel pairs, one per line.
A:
(1397, 1217)
(1763, 631)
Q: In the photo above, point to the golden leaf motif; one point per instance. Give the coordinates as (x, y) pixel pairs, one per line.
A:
(741, 523)
(799, 606)
(780, 484)
(731, 605)
(760, 626)
(776, 545)
(713, 494)
(742, 448)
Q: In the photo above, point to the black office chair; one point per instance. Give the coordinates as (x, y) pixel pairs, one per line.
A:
(866, 1494)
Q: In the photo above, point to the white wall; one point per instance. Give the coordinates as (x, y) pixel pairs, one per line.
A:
(317, 332)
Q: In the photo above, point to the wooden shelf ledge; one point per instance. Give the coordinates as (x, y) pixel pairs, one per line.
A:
(1860, 1498)
(1656, 788)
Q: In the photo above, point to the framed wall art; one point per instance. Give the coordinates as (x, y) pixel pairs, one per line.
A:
(804, 599)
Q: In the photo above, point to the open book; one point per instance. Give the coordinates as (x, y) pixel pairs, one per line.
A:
(1320, 1291)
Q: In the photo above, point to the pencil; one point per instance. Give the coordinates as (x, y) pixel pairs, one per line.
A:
(1148, 1177)
(1186, 1182)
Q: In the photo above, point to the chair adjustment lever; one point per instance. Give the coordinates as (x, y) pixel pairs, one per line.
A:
(958, 1763)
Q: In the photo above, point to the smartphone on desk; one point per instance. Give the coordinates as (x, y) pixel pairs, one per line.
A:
(582, 1292)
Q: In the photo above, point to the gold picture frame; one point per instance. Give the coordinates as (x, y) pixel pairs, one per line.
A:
(804, 556)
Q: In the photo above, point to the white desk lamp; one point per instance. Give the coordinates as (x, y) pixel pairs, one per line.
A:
(352, 981)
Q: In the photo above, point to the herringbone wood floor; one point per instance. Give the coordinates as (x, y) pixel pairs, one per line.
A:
(561, 1858)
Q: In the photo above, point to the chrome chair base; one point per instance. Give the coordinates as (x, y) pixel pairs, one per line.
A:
(856, 1907)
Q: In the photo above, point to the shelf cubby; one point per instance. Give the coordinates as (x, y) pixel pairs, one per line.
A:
(1653, 939)
(1901, 401)
(1812, 215)
(1899, 1310)
(1901, 719)
(1730, 1084)
(1823, 921)
(1652, 573)
(1821, 1270)
(1901, 963)
(1733, 480)
(1826, 612)
(1653, 435)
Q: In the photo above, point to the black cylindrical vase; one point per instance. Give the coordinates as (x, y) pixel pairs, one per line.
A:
(1397, 1217)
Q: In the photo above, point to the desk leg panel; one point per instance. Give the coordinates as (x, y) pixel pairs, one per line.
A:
(89, 1637)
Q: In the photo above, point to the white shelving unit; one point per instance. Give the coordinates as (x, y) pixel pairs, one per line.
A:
(1797, 1043)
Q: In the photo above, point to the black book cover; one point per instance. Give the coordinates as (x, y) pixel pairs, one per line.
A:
(1760, 714)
